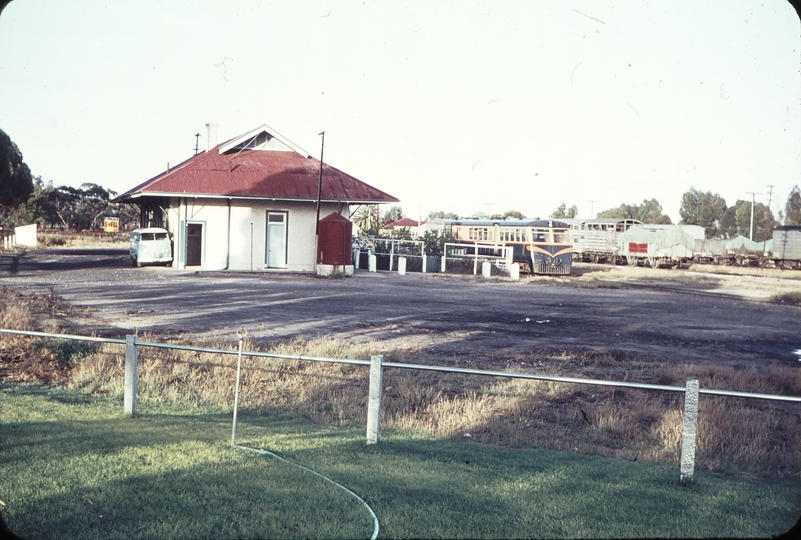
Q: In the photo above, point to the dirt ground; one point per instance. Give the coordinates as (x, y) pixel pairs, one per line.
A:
(652, 315)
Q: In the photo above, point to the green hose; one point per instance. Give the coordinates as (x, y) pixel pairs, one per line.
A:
(241, 333)
(315, 473)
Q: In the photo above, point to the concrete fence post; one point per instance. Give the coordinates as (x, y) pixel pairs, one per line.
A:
(486, 269)
(131, 355)
(371, 262)
(514, 271)
(689, 432)
(425, 263)
(444, 264)
(374, 399)
(402, 266)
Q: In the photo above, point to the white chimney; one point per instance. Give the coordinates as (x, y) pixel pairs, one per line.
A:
(211, 137)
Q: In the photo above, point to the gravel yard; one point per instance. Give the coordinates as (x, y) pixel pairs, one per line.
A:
(651, 315)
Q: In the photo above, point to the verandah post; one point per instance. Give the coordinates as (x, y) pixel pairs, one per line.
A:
(374, 399)
(131, 354)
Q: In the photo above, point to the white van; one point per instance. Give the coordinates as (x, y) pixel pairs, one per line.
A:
(152, 245)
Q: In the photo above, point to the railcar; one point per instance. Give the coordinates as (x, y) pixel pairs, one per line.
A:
(544, 246)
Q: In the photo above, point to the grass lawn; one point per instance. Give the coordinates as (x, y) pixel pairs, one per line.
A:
(73, 466)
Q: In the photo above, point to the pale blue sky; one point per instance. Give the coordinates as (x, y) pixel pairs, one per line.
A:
(457, 106)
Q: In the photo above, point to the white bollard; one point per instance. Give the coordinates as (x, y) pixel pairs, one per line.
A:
(424, 263)
(401, 266)
(486, 269)
(514, 271)
(371, 263)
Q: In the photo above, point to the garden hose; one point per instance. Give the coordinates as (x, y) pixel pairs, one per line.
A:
(315, 473)
(241, 333)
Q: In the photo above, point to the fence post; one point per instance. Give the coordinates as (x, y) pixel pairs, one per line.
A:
(688, 434)
(402, 265)
(374, 399)
(129, 400)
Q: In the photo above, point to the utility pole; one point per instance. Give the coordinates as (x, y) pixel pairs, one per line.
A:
(770, 200)
(592, 209)
(320, 184)
(197, 139)
(753, 200)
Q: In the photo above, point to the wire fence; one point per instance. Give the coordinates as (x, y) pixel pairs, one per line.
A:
(692, 390)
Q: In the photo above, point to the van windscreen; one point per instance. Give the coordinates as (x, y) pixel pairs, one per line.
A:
(149, 236)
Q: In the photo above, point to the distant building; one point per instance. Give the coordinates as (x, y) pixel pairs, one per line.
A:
(417, 228)
(249, 203)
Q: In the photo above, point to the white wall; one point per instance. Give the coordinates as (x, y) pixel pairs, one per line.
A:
(244, 226)
(26, 235)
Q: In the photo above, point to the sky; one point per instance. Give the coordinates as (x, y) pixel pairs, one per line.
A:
(459, 106)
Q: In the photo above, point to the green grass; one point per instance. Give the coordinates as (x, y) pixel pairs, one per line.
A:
(170, 473)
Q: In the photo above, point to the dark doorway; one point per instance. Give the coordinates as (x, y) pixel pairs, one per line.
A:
(194, 244)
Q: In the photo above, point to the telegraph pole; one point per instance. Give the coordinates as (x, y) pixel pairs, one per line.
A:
(770, 200)
(753, 200)
(320, 184)
(592, 209)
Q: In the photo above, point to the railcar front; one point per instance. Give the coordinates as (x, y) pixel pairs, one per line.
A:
(544, 246)
(551, 248)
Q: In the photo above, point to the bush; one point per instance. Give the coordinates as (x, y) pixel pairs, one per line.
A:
(66, 350)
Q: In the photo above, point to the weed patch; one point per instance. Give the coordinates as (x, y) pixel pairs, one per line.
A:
(66, 350)
(793, 297)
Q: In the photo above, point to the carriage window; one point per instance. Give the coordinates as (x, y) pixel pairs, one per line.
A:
(559, 237)
(477, 233)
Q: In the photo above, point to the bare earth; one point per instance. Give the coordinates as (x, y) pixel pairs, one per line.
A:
(651, 315)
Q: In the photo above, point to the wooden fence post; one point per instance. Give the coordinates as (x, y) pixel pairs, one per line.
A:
(689, 432)
(129, 401)
(374, 399)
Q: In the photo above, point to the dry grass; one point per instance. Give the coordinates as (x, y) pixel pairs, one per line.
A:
(86, 239)
(734, 435)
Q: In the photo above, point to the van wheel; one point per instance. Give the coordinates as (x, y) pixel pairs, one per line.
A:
(136, 263)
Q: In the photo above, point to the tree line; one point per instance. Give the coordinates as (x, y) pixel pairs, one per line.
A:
(26, 199)
(710, 211)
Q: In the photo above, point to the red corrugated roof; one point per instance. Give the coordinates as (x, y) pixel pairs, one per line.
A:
(264, 174)
(404, 222)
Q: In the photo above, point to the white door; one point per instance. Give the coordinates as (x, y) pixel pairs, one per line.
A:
(276, 239)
